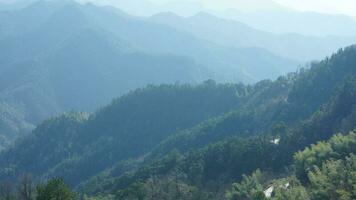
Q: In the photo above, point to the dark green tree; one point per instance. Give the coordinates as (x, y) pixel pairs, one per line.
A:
(55, 189)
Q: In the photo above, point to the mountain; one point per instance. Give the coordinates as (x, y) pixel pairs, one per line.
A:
(188, 8)
(205, 160)
(12, 121)
(52, 61)
(56, 53)
(8, 5)
(253, 5)
(131, 126)
(291, 21)
(27, 19)
(134, 7)
(177, 137)
(237, 34)
(145, 8)
(214, 127)
(234, 64)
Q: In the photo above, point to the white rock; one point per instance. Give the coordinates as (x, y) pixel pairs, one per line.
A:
(269, 191)
(276, 141)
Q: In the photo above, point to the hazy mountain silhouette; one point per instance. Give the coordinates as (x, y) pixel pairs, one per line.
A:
(290, 21)
(237, 34)
(60, 55)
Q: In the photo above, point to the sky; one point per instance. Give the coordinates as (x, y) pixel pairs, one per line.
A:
(347, 7)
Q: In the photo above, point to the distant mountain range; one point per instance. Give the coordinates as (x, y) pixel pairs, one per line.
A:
(234, 33)
(266, 15)
(170, 107)
(291, 21)
(61, 55)
(210, 127)
(146, 8)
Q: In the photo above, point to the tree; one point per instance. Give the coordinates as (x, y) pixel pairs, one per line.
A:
(6, 191)
(251, 187)
(26, 187)
(336, 179)
(55, 189)
(289, 189)
(259, 196)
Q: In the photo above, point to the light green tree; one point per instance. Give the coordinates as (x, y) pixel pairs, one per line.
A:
(55, 189)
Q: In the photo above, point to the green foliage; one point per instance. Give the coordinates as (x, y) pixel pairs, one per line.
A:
(337, 147)
(229, 159)
(55, 189)
(251, 187)
(131, 126)
(51, 138)
(192, 142)
(335, 179)
(330, 167)
(27, 189)
(7, 191)
(289, 189)
(170, 188)
(89, 53)
(255, 187)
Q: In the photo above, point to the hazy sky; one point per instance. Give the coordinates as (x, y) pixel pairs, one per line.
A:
(329, 6)
(347, 7)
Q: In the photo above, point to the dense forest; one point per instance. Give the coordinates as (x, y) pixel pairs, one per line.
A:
(55, 53)
(97, 104)
(286, 139)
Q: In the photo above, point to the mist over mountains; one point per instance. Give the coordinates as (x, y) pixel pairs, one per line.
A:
(206, 137)
(264, 15)
(234, 33)
(291, 21)
(147, 100)
(55, 53)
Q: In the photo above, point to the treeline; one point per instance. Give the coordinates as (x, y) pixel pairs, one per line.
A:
(193, 142)
(202, 162)
(326, 170)
(27, 189)
(129, 127)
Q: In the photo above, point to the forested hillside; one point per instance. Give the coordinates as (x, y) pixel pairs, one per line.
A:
(97, 104)
(195, 142)
(56, 53)
(128, 128)
(206, 159)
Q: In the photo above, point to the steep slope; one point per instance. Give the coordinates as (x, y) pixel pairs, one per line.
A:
(65, 56)
(56, 53)
(12, 121)
(227, 63)
(28, 17)
(285, 102)
(237, 34)
(129, 128)
(319, 162)
(108, 67)
(211, 160)
(148, 124)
